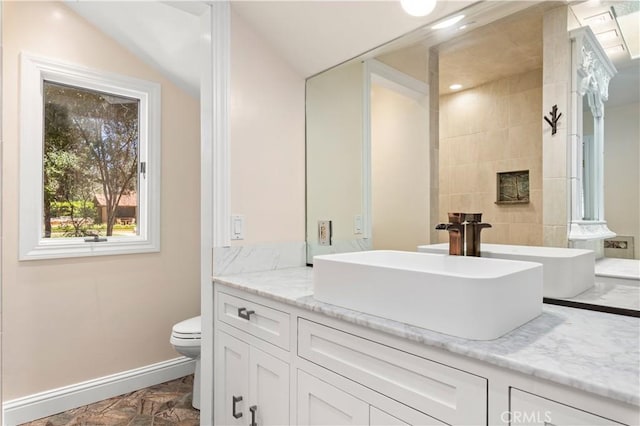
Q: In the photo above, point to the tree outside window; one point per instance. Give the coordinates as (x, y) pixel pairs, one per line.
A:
(91, 146)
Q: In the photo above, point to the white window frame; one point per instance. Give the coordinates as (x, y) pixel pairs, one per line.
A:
(33, 245)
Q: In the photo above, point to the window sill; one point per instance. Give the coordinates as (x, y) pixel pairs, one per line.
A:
(47, 249)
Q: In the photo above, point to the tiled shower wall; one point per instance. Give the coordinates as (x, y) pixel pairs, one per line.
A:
(488, 129)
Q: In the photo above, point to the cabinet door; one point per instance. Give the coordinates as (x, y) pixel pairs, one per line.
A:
(268, 389)
(410, 417)
(529, 409)
(380, 418)
(319, 403)
(231, 381)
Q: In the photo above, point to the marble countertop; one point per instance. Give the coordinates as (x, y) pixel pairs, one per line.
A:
(618, 268)
(592, 351)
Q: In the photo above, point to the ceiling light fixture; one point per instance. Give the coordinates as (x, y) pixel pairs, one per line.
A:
(418, 7)
(448, 22)
(455, 86)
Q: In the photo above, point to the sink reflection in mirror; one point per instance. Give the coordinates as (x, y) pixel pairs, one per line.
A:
(567, 272)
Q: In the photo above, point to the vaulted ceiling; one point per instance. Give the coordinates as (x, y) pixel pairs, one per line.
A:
(315, 35)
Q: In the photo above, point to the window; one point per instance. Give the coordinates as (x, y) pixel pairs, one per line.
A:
(90, 150)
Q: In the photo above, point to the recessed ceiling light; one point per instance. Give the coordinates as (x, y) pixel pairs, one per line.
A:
(418, 7)
(455, 86)
(448, 22)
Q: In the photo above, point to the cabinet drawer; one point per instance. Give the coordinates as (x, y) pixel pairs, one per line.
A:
(450, 395)
(530, 409)
(261, 321)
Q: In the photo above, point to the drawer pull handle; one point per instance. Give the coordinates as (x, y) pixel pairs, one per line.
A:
(253, 410)
(243, 313)
(235, 400)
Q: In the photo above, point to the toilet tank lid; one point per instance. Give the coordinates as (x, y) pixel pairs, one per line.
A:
(188, 326)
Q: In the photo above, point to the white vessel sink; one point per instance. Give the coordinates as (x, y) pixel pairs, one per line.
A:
(567, 272)
(469, 297)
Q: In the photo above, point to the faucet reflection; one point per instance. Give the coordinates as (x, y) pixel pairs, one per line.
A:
(456, 228)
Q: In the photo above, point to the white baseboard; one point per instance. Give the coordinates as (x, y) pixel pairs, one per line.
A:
(44, 404)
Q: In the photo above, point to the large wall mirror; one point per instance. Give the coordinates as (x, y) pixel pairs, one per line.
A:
(394, 142)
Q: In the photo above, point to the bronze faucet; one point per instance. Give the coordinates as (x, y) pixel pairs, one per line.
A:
(456, 229)
(473, 237)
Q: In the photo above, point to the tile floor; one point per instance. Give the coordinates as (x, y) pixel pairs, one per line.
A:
(161, 405)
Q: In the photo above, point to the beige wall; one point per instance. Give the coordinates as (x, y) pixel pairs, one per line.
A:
(556, 90)
(412, 60)
(1, 204)
(399, 171)
(267, 140)
(334, 150)
(493, 128)
(66, 321)
(621, 175)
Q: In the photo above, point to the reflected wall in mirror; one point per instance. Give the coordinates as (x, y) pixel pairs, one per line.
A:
(621, 159)
(399, 162)
(334, 122)
(492, 124)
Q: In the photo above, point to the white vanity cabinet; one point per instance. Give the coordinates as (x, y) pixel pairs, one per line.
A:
(300, 367)
(253, 388)
(380, 418)
(532, 410)
(448, 394)
(252, 384)
(320, 403)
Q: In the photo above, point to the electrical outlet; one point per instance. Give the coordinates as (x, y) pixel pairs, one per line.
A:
(357, 224)
(324, 232)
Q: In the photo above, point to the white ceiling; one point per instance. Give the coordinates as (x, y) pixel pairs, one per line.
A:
(506, 47)
(513, 45)
(313, 36)
(619, 19)
(310, 35)
(164, 36)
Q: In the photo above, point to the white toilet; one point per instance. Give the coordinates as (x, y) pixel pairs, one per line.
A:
(185, 338)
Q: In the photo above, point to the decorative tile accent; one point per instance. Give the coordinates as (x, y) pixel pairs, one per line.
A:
(513, 187)
(621, 246)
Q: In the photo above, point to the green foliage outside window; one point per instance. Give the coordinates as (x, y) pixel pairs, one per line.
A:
(90, 147)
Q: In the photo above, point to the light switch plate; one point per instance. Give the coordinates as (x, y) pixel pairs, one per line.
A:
(237, 227)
